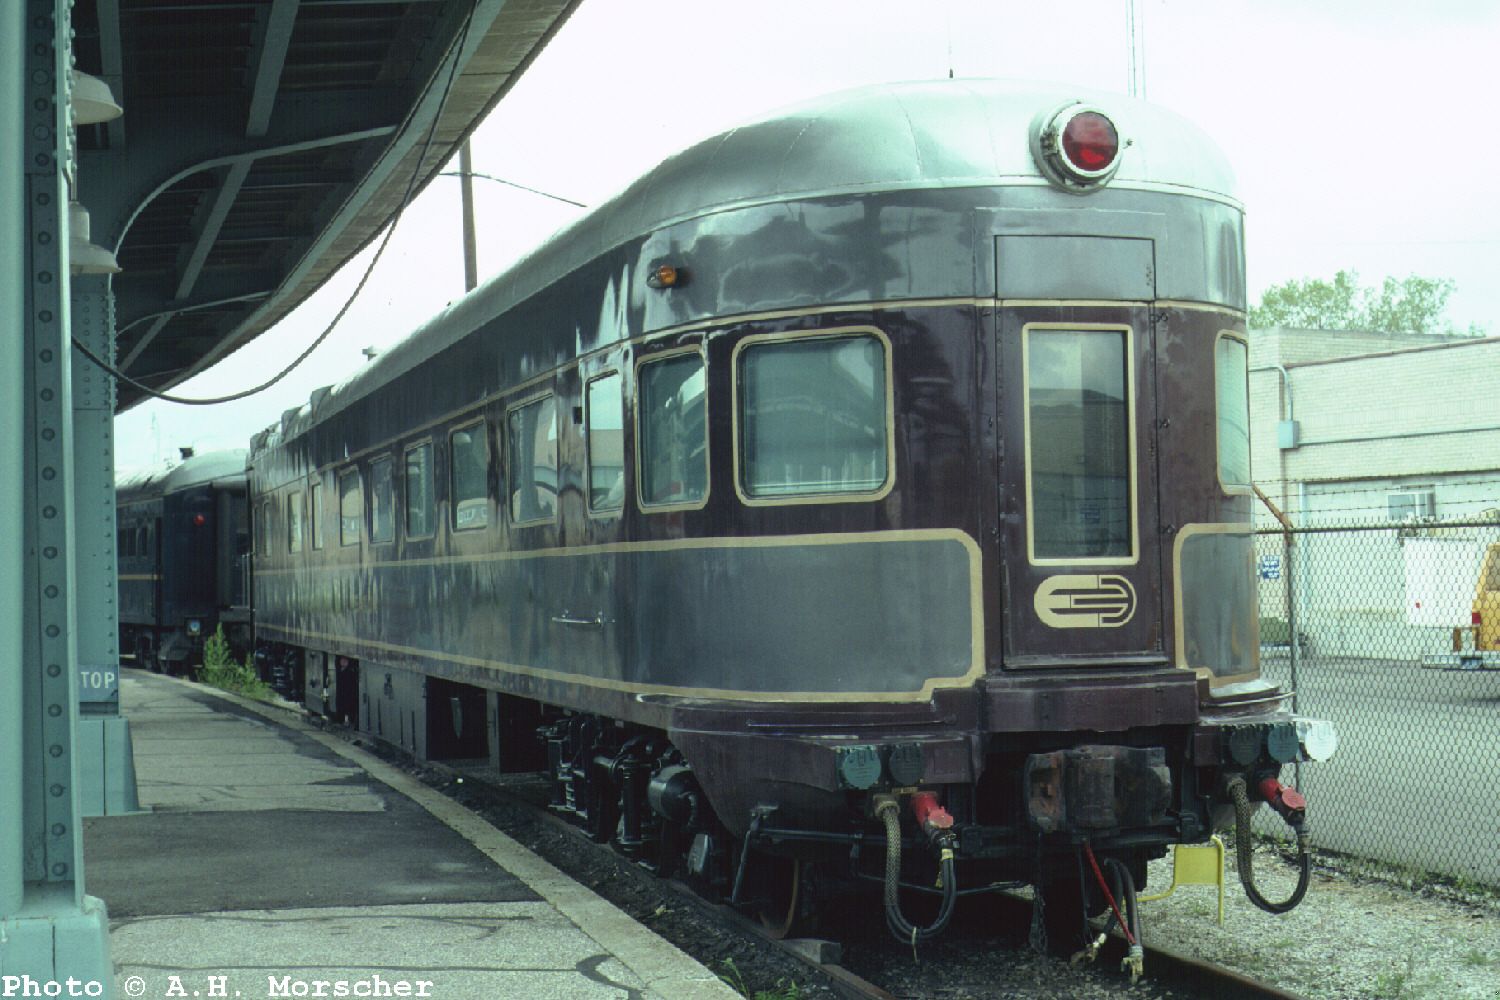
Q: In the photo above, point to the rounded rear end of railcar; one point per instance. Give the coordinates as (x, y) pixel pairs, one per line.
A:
(978, 427)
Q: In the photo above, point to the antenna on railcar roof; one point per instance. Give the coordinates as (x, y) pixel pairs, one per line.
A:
(1136, 29)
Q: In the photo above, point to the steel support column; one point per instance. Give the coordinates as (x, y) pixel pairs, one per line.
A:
(106, 761)
(49, 930)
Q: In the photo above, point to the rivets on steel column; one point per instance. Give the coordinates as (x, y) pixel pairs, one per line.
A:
(54, 670)
(47, 357)
(50, 552)
(57, 791)
(59, 869)
(51, 591)
(49, 512)
(55, 750)
(54, 710)
(58, 829)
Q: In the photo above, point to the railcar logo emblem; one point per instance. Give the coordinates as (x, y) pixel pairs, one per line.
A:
(1079, 601)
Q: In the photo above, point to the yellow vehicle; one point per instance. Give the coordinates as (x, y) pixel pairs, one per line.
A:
(1476, 646)
(1486, 618)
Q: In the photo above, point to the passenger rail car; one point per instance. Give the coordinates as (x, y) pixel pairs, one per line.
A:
(183, 548)
(883, 459)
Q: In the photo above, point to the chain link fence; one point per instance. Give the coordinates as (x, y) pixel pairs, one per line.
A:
(1379, 626)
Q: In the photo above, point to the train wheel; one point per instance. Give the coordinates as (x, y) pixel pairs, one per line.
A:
(787, 906)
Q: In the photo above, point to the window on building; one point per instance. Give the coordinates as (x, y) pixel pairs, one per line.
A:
(294, 521)
(470, 477)
(1231, 370)
(382, 502)
(351, 504)
(1078, 426)
(315, 514)
(606, 437)
(532, 431)
(421, 505)
(673, 435)
(1417, 505)
(812, 415)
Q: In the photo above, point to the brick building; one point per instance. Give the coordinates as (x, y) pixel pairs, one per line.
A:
(1363, 428)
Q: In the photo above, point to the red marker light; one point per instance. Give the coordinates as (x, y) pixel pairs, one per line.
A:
(1090, 141)
(1077, 147)
(199, 520)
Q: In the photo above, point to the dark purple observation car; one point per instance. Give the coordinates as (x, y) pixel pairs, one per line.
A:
(866, 489)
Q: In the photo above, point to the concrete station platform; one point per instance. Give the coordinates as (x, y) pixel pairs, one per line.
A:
(270, 857)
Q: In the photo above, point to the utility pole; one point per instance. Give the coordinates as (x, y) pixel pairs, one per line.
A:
(471, 250)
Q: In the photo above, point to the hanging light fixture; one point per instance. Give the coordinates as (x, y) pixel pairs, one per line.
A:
(93, 102)
(86, 257)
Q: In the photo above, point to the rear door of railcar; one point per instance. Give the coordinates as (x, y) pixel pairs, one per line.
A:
(1079, 515)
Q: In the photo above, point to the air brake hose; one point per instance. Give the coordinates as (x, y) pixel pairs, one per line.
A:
(890, 812)
(1242, 812)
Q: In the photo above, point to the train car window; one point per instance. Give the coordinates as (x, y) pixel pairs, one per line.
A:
(315, 502)
(143, 541)
(1217, 627)
(421, 505)
(532, 431)
(1232, 396)
(672, 432)
(813, 416)
(382, 502)
(294, 521)
(470, 477)
(351, 507)
(1078, 444)
(606, 442)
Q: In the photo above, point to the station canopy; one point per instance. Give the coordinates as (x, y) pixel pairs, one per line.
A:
(264, 143)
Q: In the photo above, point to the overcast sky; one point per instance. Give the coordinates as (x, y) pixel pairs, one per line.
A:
(1363, 134)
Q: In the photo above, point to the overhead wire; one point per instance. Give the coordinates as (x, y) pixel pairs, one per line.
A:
(523, 187)
(390, 230)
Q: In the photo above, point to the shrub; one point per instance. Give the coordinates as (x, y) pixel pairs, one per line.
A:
(220, 670)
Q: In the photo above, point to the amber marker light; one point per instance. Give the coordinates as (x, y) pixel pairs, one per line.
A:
(666, 276)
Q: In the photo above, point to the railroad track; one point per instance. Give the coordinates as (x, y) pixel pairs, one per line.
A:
(994, 959)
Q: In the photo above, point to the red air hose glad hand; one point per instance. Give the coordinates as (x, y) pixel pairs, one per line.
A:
(932, 817)
(1286, 801)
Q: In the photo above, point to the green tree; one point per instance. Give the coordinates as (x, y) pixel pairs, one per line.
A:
(1313, 304)
(1411, 305)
